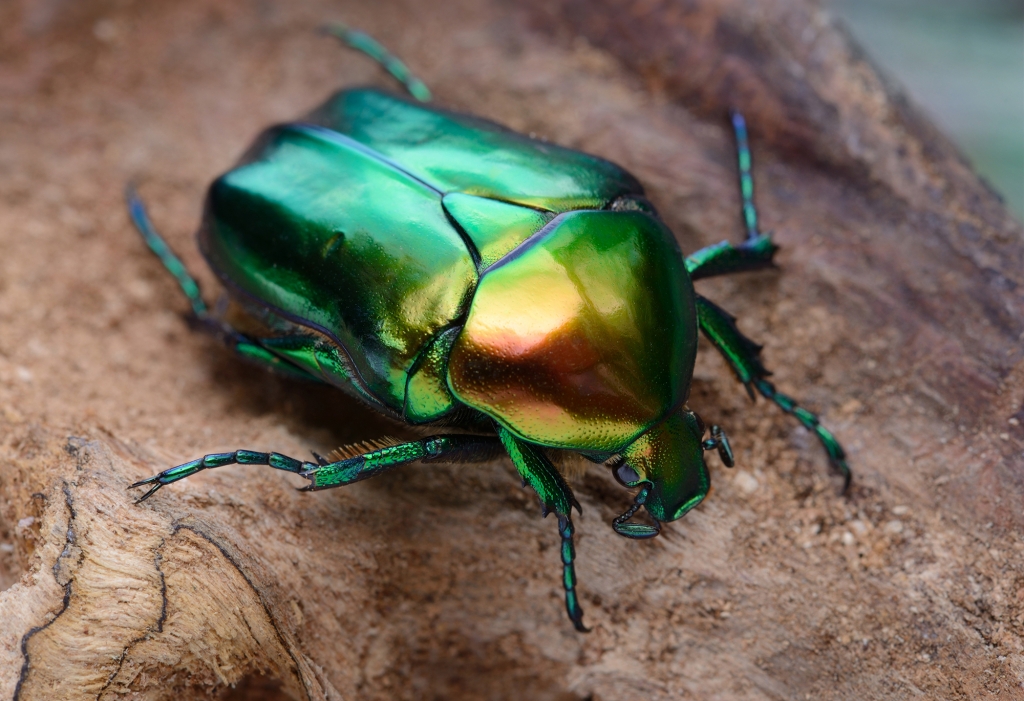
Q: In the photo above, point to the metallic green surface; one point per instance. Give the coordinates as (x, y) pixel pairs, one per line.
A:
(459, 153)
(494, 227)
(671, 458)
(584, 337)
(444, 269)
(724, 258)
(427, 397)
(321, 359)
(333, 237)
(742, 354)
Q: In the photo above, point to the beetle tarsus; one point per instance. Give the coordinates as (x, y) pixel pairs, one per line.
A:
(836, 454)
(568, 552)
(361, 41)
(148, 480)
(739, 126)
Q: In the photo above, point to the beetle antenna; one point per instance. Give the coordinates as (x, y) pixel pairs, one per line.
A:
(720, 441)
(739, 126)
(157, 244)
(361, 41)
(636, 531)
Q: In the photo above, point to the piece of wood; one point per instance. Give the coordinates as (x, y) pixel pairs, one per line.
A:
(896, 313)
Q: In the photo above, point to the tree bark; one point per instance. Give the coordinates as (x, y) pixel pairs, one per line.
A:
(896, 313)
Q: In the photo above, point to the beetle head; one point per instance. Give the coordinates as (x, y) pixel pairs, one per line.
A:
(667, 463)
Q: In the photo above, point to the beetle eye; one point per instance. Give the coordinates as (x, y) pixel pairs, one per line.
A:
(625, 475)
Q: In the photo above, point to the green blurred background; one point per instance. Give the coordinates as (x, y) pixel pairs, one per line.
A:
(962, 61)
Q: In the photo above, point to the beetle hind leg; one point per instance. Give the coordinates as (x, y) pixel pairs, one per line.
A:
(248, 348)
(324, 474)
(157, 244)
(361, 41)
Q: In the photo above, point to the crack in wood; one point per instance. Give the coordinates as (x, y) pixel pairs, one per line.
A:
(68, 543)
(310, 693)
(158, 628)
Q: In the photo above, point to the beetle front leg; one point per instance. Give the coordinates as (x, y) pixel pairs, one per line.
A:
(836, 454)
(555, 495)
(744, 357)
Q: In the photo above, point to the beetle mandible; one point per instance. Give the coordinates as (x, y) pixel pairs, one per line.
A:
(449, 272)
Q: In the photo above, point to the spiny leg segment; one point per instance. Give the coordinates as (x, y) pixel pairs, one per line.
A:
(360, 41)
(744, 357)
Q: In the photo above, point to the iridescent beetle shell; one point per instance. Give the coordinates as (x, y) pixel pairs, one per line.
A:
(450, 272)
(440, 260)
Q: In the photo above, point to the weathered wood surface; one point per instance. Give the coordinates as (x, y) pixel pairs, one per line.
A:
(896, 313)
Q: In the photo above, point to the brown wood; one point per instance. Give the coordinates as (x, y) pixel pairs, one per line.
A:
(896, 313)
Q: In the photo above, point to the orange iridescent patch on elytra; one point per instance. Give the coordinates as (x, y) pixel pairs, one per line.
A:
(585, 338)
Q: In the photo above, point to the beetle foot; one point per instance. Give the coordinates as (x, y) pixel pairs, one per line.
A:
(154, 480)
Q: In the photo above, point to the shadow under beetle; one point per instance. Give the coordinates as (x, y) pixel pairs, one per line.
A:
(450, 272)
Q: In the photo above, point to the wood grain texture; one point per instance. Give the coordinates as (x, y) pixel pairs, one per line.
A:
(896, 313)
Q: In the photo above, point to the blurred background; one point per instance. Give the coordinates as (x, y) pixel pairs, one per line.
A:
(962, 61)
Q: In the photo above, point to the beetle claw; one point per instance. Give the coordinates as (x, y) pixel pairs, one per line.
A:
(149, 493)
(148, 480)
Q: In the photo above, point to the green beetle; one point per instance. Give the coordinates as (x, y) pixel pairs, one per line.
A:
(450, 272)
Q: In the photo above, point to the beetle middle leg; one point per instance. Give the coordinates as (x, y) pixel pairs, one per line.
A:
(757, 250)
(531, 463)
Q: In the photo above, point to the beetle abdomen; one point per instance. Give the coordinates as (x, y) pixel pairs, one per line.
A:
(332, 236)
